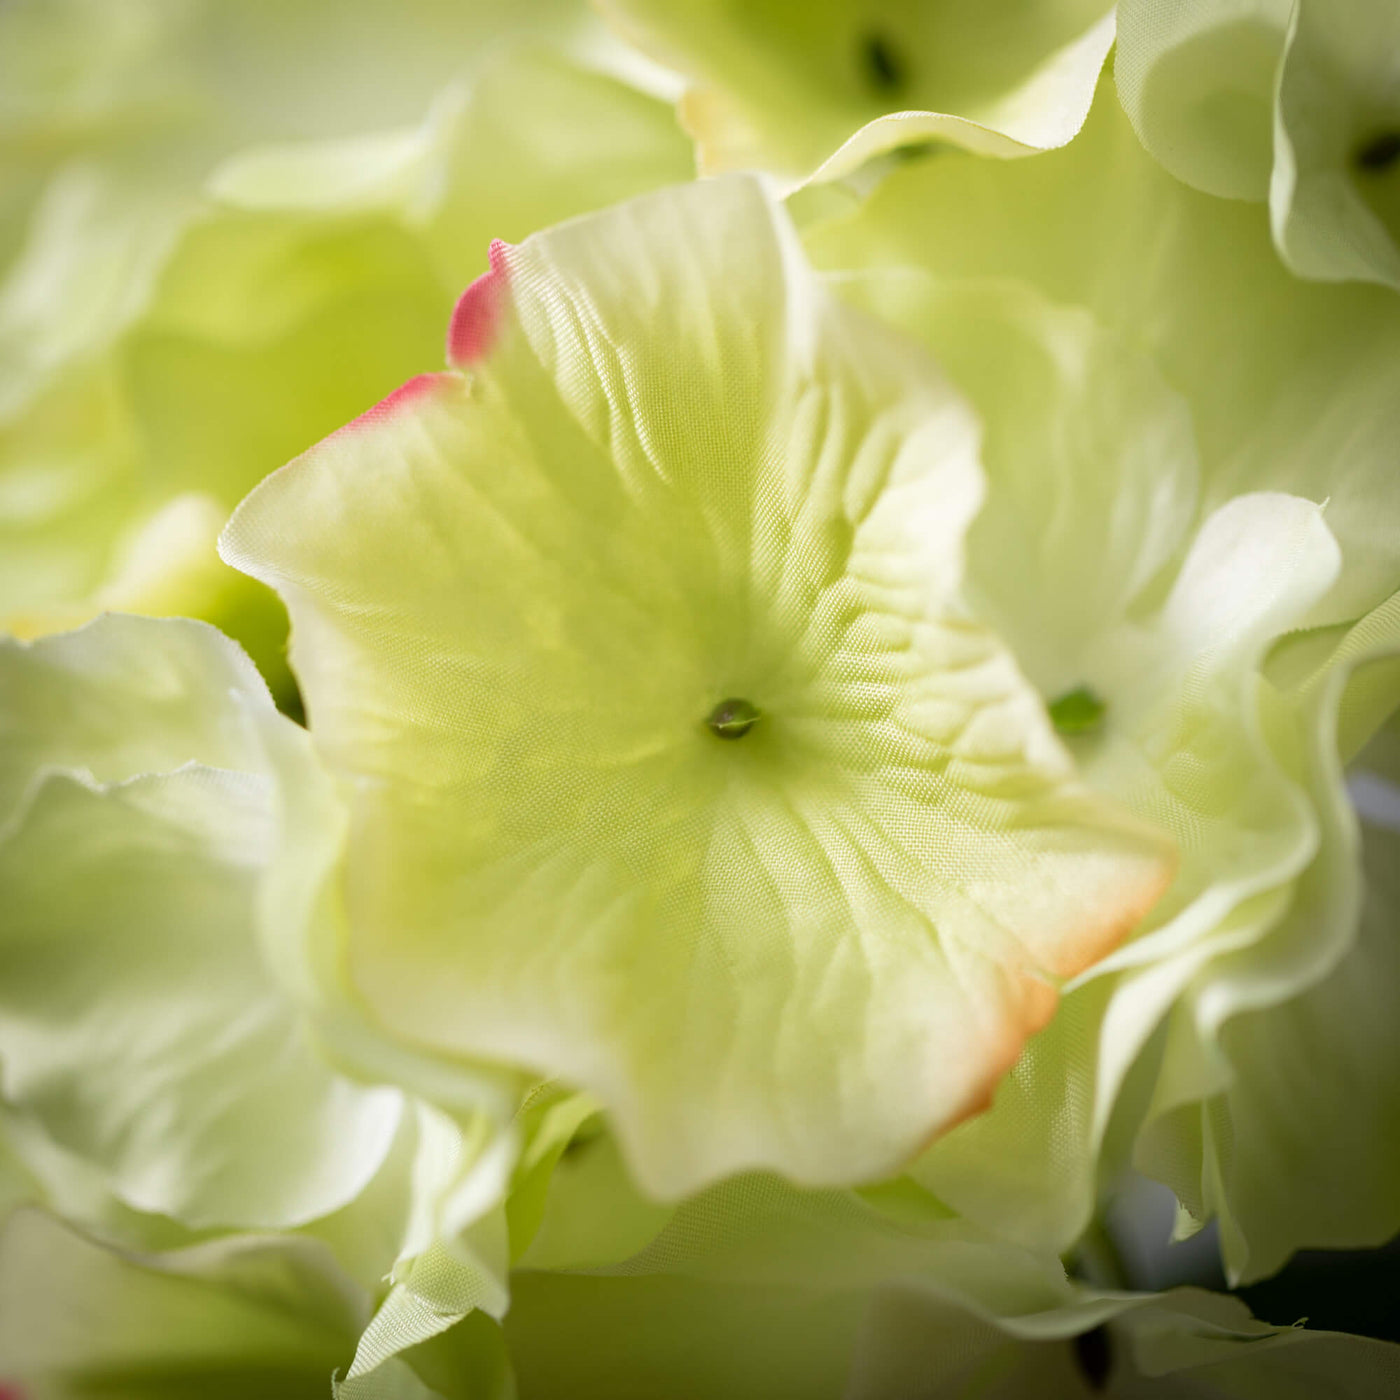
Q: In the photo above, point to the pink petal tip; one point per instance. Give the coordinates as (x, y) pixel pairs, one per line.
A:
(419, 387)
(476, 319)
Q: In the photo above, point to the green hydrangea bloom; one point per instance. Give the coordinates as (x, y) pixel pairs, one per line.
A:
(671, 474)
(1127, 557)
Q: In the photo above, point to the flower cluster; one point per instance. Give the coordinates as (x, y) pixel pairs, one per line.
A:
(693, 850)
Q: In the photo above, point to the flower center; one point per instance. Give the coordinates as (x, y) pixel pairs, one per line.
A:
(1379, 153)
(1077, 711)
(732, 719)
(884, 69)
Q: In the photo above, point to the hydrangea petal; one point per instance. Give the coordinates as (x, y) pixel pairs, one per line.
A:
(1286, 1053)
(1255, 99)
(94, 251)
(1184, 1344)
(680, 474)
(139, 1021)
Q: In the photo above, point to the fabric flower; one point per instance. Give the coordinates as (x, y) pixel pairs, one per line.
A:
(674, 770)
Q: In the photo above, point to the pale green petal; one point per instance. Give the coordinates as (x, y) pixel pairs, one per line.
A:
(593, 1215)
(66, 71)
(331, 68)
(1297, 103)
(1197, 80)
(758, 1229)
(248, 331)
(1314, 1084)
(437, 1292)
(1285, 1053)
(458, 179)
(552, 1122)
(820, 88)
(1029, 1166)
(1091, 488)
(1290, 386)
(66, 469)
(246, 1315)
(139, 1022)
(541, 140)
(215, 98)
(95, 248)
(80, 74)
(1330, 435)
(468, 1362)
(1335, 194)
(398, 171)
(451, 1257)
(120, 698)
(673, 473)
(76, 1190)
(1190, 748)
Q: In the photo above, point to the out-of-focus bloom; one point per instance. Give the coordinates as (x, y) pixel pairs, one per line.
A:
(242, 224)
(819, 89)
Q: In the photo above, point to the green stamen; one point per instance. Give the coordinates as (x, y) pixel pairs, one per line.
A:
(1077, 711)
(884, 68)
(732, 719)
